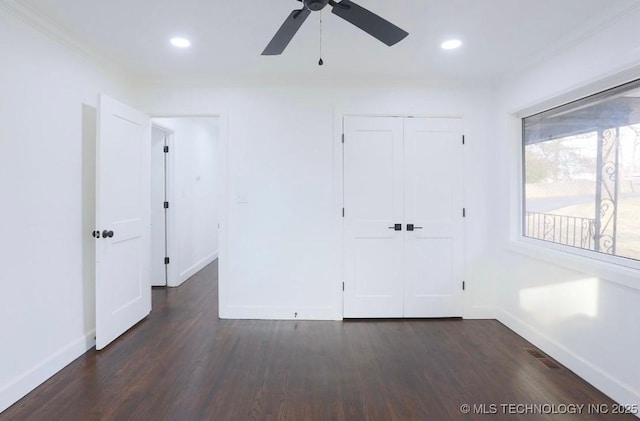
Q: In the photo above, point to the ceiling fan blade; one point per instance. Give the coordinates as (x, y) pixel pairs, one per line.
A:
(369, 22)
(286, 32)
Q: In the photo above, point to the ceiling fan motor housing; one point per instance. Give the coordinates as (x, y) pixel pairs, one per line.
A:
(315, 5)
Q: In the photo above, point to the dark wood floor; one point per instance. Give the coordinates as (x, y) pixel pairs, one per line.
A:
(182, 363)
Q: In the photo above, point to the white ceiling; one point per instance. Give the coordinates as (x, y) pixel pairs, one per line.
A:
(500, 37)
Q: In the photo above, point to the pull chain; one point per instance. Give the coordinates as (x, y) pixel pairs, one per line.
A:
(320, 62)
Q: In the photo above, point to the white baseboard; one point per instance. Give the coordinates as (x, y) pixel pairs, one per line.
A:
(480, 313)
(600, 379)
(280, 313)
(318, 313)
(197, 267)
(19, 387)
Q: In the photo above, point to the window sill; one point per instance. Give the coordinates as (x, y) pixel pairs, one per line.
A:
(616, 273)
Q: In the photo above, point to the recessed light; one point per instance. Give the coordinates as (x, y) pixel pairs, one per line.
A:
(180, 42)
(451, 44)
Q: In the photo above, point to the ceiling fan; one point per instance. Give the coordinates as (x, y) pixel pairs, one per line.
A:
(368, 21)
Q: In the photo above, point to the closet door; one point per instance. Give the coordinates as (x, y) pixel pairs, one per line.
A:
(373, 224)
(433, 257)
(403, 227)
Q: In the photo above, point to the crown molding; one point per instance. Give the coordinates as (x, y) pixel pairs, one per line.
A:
(580, 36)
(47, 27)
(348, 81)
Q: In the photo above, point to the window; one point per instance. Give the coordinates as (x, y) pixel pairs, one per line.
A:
(582, 173)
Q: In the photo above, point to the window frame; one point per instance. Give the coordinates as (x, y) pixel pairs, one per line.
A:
(617, 269)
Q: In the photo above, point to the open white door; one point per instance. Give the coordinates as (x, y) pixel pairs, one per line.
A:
(123, 290)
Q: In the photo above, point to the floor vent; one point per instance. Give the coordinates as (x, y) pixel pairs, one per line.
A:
(543, 359)
(535, 354)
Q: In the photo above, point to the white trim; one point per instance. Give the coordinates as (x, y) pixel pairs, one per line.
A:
(186, 274)
(338, 205)
(186, 115)
(281, 313)
(339, 116)
(161, 127)
(600, 379)
(516, 191)
(592, 256)
(223, 212)
(46, 26)
(403, 115)
(19, 387)
(479, 313)
(592, 86)
(628, 277)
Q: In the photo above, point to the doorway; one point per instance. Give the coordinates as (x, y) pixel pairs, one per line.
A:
(160, 138)
(130, 151)
(403, 219)
(185, 210)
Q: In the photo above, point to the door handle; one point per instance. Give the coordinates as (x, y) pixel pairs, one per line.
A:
(411, 227)
(107, 234)
(396, 227)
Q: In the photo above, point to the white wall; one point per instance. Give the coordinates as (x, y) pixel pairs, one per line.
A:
(577, 311)
(193, 195)
(279, 150)
(281, 198)
(47, 163)
(281, 251)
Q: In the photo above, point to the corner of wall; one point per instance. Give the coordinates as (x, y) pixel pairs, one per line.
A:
(182, 277)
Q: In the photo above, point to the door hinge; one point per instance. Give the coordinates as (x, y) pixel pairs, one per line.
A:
(343, 286)
(343, 212)
(167, 260)
(166, 149)
(166, 205)
(463, 140)
(463, 285)
(342, 137)
(464, 212)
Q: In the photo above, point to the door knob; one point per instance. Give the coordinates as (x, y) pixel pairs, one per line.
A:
(107, 234)
(411, 227)
(396, 227)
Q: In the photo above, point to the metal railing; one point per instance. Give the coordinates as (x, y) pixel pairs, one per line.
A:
(568, 230)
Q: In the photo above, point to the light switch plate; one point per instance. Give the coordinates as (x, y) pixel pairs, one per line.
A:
(242, 197)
